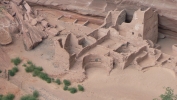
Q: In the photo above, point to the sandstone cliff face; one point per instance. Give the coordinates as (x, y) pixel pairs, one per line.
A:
(165, 8)
(30, 27)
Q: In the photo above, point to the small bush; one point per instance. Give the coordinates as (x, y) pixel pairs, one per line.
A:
(36, 94)
(28, 97)
(43, 76)
(39, 68)
(80, 88)
(16, 61)
(31, 97)
(0, 71)
(29, 62)
(1, 95)
(168, 95)
(8, 97)
(36, 73)
(72, 90)
(58, 81)
(29, 69)
(11, 73)
(65, 88)
(67, 82)
(24, 65)
(15, 69)
(48, 80)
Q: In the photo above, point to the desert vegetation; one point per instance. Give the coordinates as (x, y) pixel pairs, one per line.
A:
(13, 71)
(66, 82)
(168, 95)
(58, 81)
(34, 96)
(30, 67)
(16, 61)
(80, 88)
(65, 88)
(72, 90)
(7, 97)
(37, 71)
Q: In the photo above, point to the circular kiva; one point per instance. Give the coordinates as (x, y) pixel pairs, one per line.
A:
(5, 37)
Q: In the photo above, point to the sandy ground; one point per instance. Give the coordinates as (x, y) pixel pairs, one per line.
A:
(128, 84)
(166, 45)
(7, 87)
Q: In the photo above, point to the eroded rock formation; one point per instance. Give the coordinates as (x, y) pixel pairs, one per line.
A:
(166, 8)
(32, 35)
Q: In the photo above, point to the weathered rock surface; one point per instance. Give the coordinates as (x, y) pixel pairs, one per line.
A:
(53, 32)
(8, 26)
(5, 36)
(33, 33)
(166, 9)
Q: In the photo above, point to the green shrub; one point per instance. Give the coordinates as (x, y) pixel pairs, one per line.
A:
(36, 72)
(8, 97)
(31, 97)
(1, 96)
(28, 97)
(80, 88)
(39, 68)
(32, 66)
(58, 81)
(72, 90)
(11, 73)
(29, 69)
(24, 65)
(168, 95)
(15, 69)
(65, 88)
(0, 71)
(16, 61)
(36, 94)
(29, 62)
(48, 80)
(67, 82)
(43, 76)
